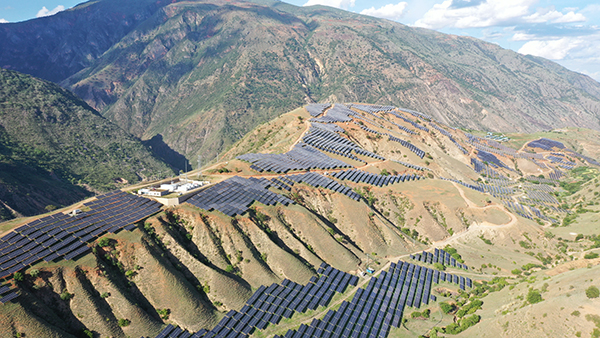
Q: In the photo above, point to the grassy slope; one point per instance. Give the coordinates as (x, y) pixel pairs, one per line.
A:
(56, 149)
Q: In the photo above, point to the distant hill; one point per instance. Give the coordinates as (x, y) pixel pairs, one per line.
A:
(55, 149)
(201, 74)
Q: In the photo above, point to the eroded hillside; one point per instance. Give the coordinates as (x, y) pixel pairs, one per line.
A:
(349, 187)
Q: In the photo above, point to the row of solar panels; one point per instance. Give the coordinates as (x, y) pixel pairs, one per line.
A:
(8, 293)
(449, 136)
(316, 109)
(408, 145)
(301, 157)
(413, 123)
(337, 113)
(315, 180)
(484, 169)
(496, 190)
(438, 256)
(374, 310)
(358, 176)
(333, 142)
(470, 186)
(234, 196)
(271, 304)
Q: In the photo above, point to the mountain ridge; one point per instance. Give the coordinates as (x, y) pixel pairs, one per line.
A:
(203, 73)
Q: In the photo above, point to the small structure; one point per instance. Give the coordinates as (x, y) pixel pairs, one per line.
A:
(153, 192)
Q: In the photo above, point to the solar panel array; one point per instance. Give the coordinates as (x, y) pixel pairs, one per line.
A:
(408, 145)
(373, 108)
(374, 310)
(491, 159)
(62, 235)
(337, 113)
(301, 157)
(413, 123)
(271, 304)
(334, 128)
(412, 166)
(448, 135)
(483, 169)
(234, 195)
(359, 176)
(556, 159)
(546, 144)
(8, 293)
(470, 186)
(337, 144)
(438, 256)
(315, 180)
(316, 109)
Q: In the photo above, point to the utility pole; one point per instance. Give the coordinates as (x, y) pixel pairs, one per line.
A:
(199, 166)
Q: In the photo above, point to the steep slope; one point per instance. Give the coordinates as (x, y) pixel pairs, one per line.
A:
(55, 149)
(55, 47)
(204, 73)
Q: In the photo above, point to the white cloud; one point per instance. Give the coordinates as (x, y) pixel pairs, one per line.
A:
(489, 13)
(389, 11)
(551, 49)
(3, 20)
(551, 15)
(483, 14)
(344, 4)
(46, 12)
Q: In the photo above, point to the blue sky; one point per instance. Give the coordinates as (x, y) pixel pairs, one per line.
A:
(567, 32)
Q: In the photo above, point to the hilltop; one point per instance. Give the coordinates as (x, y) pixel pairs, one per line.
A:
(56, 150)
(202, 74)
(347, 187)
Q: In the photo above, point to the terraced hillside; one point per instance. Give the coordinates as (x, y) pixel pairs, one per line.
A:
(334, 220)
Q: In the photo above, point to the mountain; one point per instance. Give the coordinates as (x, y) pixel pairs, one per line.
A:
(520, 214)
(56, 150)
(201, 74)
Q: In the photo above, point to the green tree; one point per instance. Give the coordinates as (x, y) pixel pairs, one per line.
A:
(124, 322)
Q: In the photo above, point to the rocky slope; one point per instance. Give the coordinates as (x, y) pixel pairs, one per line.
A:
(201, 74)
(55, 149)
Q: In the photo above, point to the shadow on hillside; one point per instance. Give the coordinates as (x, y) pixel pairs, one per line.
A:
(162, 150)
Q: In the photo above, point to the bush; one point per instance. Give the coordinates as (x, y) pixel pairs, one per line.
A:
(19, 276)
(88, 333)
(104, 295)
(163, 313)
(446, 308)
(534, 296)
(66, 295)
(229, 268)
(439, 266)
(590, 255)
(124, 322)
(130, 273)
(34, 273)
(104, 242)
(592, 292)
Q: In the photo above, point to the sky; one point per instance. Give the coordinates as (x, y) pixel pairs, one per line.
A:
(567, 32)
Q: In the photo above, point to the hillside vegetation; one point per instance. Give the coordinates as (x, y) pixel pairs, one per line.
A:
(55, 149)
(201, 74)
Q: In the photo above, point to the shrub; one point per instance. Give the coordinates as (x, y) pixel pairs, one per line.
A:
(104, 242)
(104, 295)
(19, 276)
(66, 295)
(229, 268)
(163, 313)
(130, 273)
(124, 322)
(34, 273)
(592, 292)
(590, 255)
(88, 333)
(534, 296)
(439, 266)
(446, 308)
